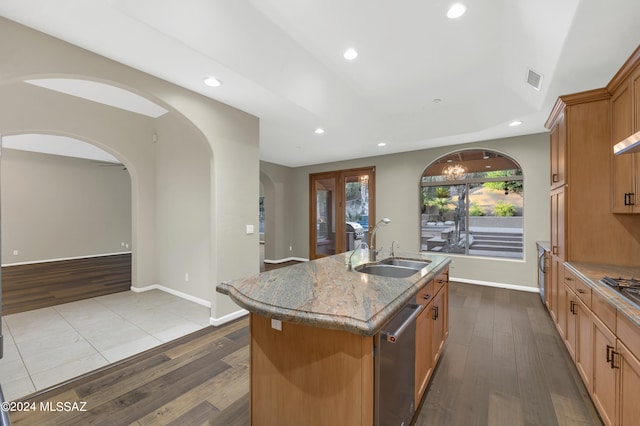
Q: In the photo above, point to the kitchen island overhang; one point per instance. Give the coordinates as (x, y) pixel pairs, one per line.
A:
(325, 293)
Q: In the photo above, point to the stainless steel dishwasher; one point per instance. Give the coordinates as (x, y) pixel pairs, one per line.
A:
(394, 365)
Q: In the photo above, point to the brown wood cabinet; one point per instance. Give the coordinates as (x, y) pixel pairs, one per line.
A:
(629, 385)
(603, 384)
(605, 346)
(432, 329)
(558, 153)
(588, 185)
(625, 174)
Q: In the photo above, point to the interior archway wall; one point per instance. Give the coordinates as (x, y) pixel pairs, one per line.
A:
(232, 173)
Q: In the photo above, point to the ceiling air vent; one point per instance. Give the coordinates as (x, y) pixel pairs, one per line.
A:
(534, 79)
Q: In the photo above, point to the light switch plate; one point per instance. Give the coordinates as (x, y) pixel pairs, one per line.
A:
(249, 229)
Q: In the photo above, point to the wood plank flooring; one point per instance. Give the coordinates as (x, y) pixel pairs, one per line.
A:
(503, 364)
(39, 285)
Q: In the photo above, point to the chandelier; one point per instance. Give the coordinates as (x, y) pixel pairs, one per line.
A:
(455, 172)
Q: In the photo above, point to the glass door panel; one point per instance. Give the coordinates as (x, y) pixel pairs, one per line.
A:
(323, 211)
(358, 206)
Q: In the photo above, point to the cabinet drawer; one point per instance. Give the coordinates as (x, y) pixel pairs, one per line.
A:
(425, 294)
(583, 291)
(440, 280)
(604, 311)
(569, 278)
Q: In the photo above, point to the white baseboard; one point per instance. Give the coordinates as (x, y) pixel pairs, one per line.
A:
(228, 318)
(174, 292)
(499, 285)
(287, 259)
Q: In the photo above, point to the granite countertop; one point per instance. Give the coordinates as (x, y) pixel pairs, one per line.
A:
(324, 293)
(592, 273)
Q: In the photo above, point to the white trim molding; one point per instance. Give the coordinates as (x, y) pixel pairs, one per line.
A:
(174, 292)
(287, 259)
(498, 285)
(228, 318)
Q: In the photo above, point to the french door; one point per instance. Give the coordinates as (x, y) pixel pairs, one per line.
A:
(335, 199)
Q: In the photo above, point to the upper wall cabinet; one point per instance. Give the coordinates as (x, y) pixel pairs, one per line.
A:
(625, 120)
(558, 153)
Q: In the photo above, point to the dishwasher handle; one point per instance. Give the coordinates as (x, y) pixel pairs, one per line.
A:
(407, 315)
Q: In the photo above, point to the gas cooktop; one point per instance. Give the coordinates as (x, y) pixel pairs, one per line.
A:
(629, 288)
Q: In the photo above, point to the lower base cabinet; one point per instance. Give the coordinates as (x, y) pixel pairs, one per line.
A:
(604, 351)
(603, 389)
(431, 332)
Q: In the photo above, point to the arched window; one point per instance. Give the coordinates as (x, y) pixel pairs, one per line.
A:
(472, 204)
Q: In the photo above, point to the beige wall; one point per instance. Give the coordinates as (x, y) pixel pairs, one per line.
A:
(59, 207)
(224, 179)
(397, 197)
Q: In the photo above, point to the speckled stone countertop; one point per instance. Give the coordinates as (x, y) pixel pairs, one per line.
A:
(591, 273)
(324, 293)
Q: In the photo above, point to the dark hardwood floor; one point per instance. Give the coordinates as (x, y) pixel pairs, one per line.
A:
(39, 285)
(503, 364)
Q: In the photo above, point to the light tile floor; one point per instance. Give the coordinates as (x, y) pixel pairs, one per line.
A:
(47, 346)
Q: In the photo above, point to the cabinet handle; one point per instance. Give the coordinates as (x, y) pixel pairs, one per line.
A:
(629, 199)
(572, 307)
(555, 177)
(554, 249)
(610, 356)
(568, 278)
(435, 313)
(581, 291)
(427, 297)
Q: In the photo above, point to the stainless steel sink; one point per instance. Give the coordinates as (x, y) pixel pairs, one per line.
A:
(384, 270)
(408, 263)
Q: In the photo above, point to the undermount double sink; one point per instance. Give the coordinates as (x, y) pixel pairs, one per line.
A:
(393, 267)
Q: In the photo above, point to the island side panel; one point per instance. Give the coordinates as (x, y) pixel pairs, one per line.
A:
(311, 376)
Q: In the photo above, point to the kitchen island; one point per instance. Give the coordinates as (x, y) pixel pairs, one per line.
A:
(313, 334)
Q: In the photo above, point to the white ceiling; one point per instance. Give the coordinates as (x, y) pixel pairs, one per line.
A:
(281, 60)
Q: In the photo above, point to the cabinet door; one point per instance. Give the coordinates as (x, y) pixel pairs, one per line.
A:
(629, 387)
(553, 291)
(604, 390)
(571, 332)
(584, 343)
(558, 153)
(439, 315)
(424, 356)
(558, 220)
(623, 173)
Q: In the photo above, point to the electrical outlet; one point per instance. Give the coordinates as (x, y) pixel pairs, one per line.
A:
(15, 252)
(186, 277)
(276, 324)
(290, 248)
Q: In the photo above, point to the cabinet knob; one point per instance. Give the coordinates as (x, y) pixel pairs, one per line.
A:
(581, 291)
(427, 297)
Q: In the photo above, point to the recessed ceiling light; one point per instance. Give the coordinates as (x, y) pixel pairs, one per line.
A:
(319, 131)
(212, 81)
(350, 54)
(382, 144)
(437, 100)
(456, 10)
(515, 123)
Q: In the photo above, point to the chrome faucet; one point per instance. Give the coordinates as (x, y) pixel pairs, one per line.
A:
(362, 246)
(393, 252)
(372, 249)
